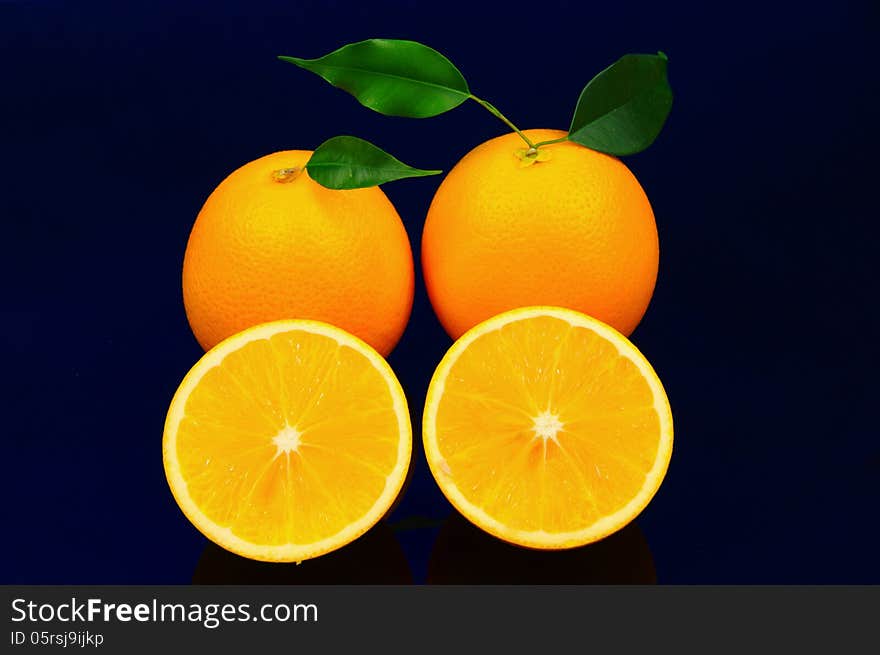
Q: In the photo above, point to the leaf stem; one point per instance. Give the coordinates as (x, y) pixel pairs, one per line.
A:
(494, 111)
(551, 141)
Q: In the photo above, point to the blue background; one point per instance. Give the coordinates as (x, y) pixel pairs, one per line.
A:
(118, 121)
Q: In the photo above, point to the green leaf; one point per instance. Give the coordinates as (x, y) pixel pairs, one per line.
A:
(392, 77)
(622, 110)
(347, 162)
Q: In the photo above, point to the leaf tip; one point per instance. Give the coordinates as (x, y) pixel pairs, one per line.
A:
(662, 55)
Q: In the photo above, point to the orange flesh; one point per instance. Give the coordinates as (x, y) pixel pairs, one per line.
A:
(538, 377)
(289, 440)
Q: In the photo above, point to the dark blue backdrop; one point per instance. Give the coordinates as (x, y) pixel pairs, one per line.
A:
(118, 121)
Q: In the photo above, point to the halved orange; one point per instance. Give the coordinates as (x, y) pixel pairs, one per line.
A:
(547, 428)
(287, 441)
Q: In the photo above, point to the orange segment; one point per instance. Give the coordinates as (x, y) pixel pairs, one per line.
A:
(287, 440)
(547, 428)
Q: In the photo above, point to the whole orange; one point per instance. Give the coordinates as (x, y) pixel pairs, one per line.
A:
(573, 229)
(270, 243)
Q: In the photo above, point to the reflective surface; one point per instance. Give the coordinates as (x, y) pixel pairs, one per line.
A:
(464, 554)
(460, 553)
(374, 558)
